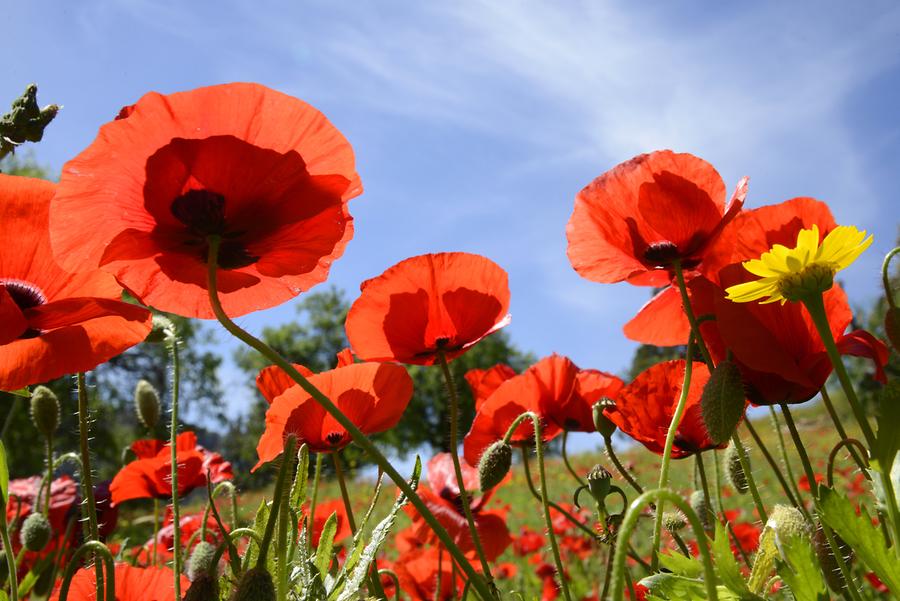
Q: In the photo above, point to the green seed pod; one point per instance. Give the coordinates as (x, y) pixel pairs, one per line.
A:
(599, 482)
(44, 410)
(698, 503)
(788, 522)
(201, 560)
(161, 329)
(36, 532)
(146, 402)
(673, 521)
(892, 326)
(204, 587)
(255, 585)
(734, 471)
(827, 560)
(723, 401)
(494, 465)
(604, 426)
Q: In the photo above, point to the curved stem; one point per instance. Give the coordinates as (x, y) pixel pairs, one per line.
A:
(481, 586)
(836, 420)
(554, 546)
(393, 576)
(172, 343)
(556, 507)
(832, 456)
(287, 459)
(607, 440)
(457, 468)
(886, 277)
(667, 450)
(565, 457)
(630, 523)
(98, 549)
(228, 543)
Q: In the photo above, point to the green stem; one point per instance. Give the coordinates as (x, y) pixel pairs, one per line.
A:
(886, 277)
(836, 420)
(832, 456)
(457, 467)
(607, 440)
(172, 343)
(49, 473)
(315, 496)
(281, 542)
(704, 483)
(339, 472)
(155, 528)
(10, 556)
(751, 481)
(789, 484)
(630, 523)
(556, 507)
(14, 402)
(667, 451)
(290, 445)
(98, 549)
(565, 457)
(87, 484)
(689, 313)
(481, 586)
(554, 546)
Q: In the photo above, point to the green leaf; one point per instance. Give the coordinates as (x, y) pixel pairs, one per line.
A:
(863, 537)
(4, 478)
(800, 570)
(679, 588)
(259, 526)
(727, 567)
(22, 392)
(326, 544)
(887, 443)
(298, 490)
(678, 564)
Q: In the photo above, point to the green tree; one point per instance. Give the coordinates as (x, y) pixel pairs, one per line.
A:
(314, 340)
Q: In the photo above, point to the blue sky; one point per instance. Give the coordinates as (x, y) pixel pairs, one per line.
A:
(475, 123)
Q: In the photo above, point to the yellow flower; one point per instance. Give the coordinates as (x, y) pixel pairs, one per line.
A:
(794, 273)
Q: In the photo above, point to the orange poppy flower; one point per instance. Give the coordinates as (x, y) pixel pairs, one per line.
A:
(264, 171)
(644, 409)
(53, 322)
(132, 584)
(373, 395)
(426, 305)
(443, 498)
(149, 476)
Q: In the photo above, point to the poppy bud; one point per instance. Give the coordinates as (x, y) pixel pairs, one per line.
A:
(827, 560)
(701, 508)
(892, 326)
(599, 482)
(722, 402)
(673, 521)
(161, 329)
(734, 471)
(44, 410)
(25, 121)
(200, 562)
(36, 532)
(146, 401)
(494, 465)
(255, 585)
(603, 425)
(788, 522)
(205, 587)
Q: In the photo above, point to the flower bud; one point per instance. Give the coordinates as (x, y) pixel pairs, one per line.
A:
(827, 560)
(255, 585)
(673, 521)
(204, 587)
(734, 471)
(494, 465)
(599, 482)
(44, 410)
(892, 326)
(36, 532)
(698, 503)
(161, 329)
(602, 423)
(201, 560)
(146, 402)
(788, 522)
(722, 402)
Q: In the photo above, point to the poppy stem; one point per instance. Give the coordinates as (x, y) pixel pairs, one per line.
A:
(7, 545)
(100, 550)
(172, 344)
(826, 400)
(481, 586)
(315, 495)
(545, 503)
(87, 484)
(630, 523)
(281, 543)
(49, 473)
(689, 313)
(886, 277)
(345, 496)
(607, 440)
(287, 458)
(789, 484)
(453, 395)
(565, 457)
(704, 483)
(667, 450)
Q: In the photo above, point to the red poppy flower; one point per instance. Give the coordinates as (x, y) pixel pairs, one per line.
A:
(443, 498)
(427, 305)
(323, 512)
(165, 538)
(418, 572)
(528, 543)
(264, 171)
(23, 499)
(373, 395)
(132, 584)
(645, 407)
(634, 221)
(53, 322)
(149, 476)
(483, 382)
(747, 535)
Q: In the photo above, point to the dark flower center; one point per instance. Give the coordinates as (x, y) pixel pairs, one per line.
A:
(334, 438)
(26, 296)
(661, 253)
(203, 212)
